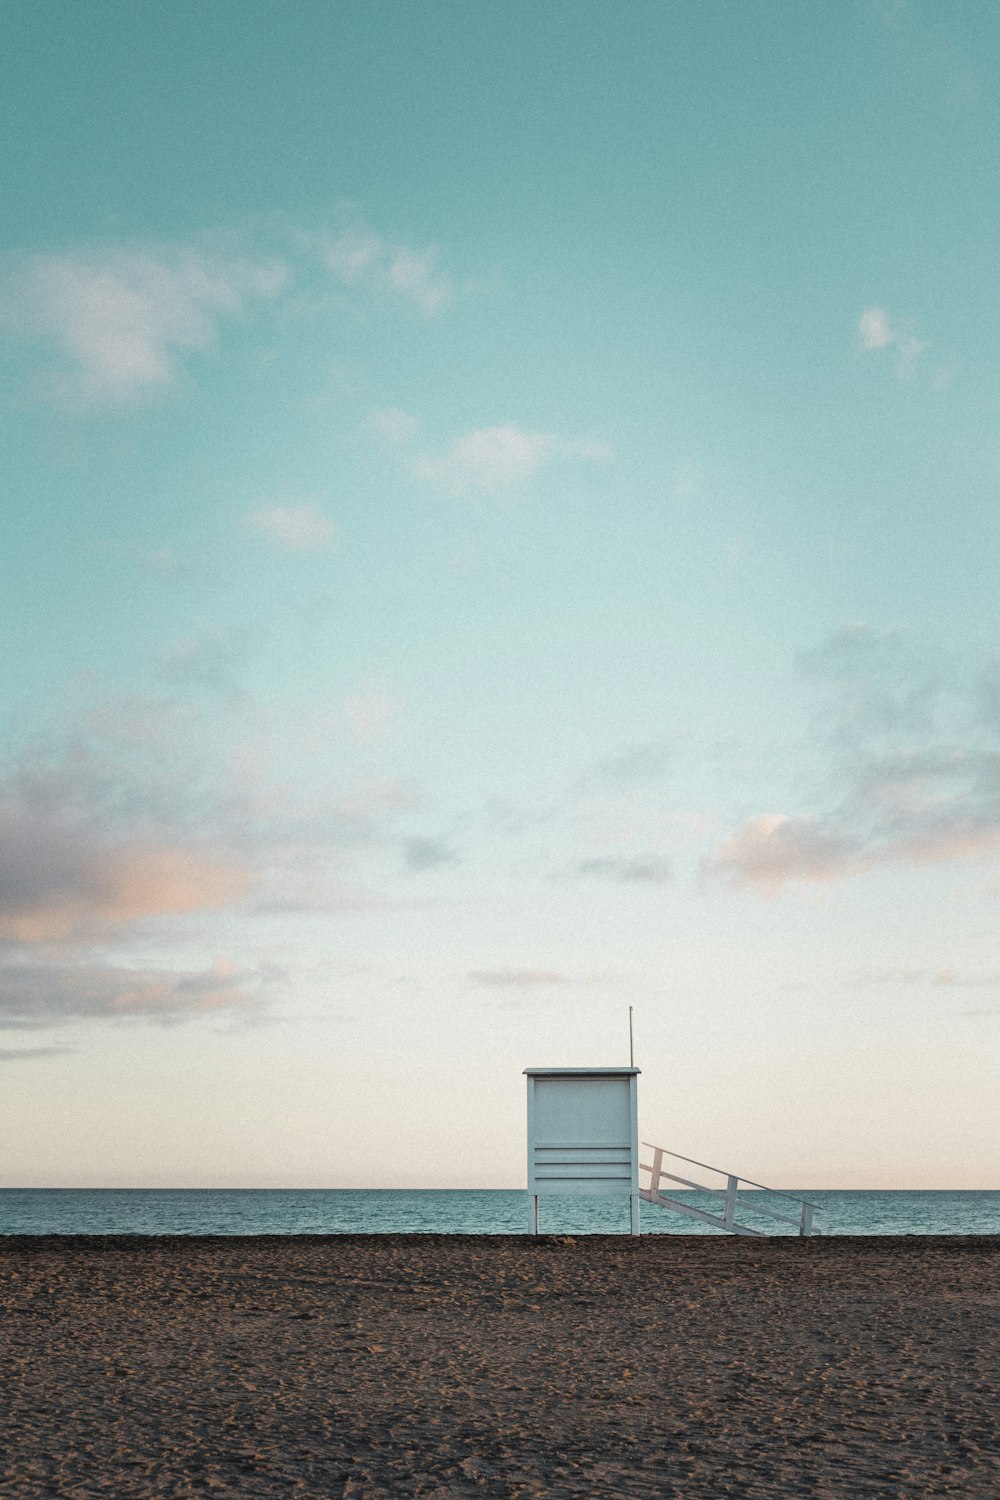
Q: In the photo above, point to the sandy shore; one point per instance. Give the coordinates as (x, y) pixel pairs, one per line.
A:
(454, 1366)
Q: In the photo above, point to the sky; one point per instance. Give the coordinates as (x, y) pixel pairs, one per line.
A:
(499, 525)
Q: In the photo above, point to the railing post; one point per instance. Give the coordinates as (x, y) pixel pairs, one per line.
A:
(806, 1224)
(654, 1173)
(729, 1214)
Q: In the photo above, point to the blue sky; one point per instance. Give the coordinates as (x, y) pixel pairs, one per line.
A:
(499, 524)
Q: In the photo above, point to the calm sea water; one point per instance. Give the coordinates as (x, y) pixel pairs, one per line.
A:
(349, 1211)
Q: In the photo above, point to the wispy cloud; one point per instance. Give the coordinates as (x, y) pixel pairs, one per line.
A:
(491, 458)
(498, 458)
(935, 979)
(123, 837)
(918, 766)
(54, 993)
(638, 763)
(423, 853)
(876, 332)
(638, 870)
(394, 426)
(293, 528)
(414, 274)
(949, 978)
(873, 328)
(25, 1054)
(213, 661)
(521, 979)
(61, 882)
(772, 849)
(119, 322)
(875, 683)
(487, 459)
(360, 256)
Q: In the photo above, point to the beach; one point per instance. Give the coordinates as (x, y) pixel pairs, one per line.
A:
(436, 1366)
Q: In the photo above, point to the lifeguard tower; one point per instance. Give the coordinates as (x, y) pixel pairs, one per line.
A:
(583, 1141)
(583, 1135)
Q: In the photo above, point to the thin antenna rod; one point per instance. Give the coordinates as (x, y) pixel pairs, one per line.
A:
(631, 1047)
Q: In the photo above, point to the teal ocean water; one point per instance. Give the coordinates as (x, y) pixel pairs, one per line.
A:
(356, 1211)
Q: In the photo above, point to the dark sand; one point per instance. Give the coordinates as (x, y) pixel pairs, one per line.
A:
(457, 1366)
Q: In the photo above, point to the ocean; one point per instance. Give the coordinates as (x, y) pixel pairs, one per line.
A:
(240, 1211)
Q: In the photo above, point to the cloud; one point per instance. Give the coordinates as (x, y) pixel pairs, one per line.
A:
(875, 682)
(394, 426)
(637, 763)
(119, 322)
(24, 1054)
(947, 978)
(294, 528)
(772, 849)
(421, 853)
(639, 870)
(876, 333)
(58, 885)
(352, 254)
(949, 838)
(84, 852)
(51, 994)
(916, 769)
(898, 824)
(874, 330)
(491, 458)
(414, 274)
(212, 662)
(303, 890)
(361, 257)
(497, 458)
(192, 806)
(146, 817)
(505, 978)
(908, 351)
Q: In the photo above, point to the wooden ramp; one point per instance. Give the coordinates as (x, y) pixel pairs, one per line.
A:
(727, 1208)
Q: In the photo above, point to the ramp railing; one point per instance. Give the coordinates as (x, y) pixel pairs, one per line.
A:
(755, 1201)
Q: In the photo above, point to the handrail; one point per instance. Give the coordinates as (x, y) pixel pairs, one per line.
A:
(699, 1187)
(778, 1193)
(729, 1194)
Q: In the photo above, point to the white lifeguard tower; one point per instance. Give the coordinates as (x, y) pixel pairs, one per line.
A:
(583, 1135)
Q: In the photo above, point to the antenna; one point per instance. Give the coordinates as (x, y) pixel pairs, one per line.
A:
(631, 1047)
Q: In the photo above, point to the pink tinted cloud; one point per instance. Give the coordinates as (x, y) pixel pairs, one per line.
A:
(959, 840)
(47, 994)
(773, 849)
(88, 891)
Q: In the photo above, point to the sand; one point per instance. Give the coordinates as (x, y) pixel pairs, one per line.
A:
(402, 1365)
